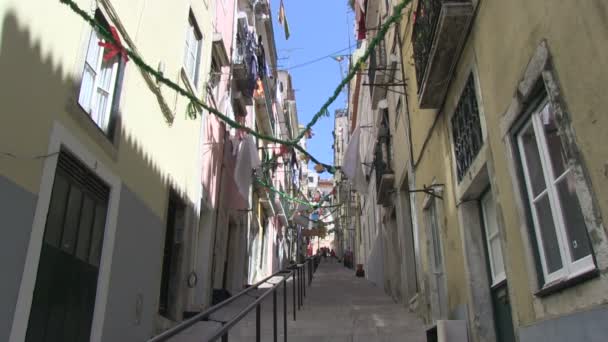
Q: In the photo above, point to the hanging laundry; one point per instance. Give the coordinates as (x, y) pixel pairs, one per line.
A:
(283, 20)
(232, 197)
(247, 159)
(261, 55)
(360, 22)
(247, 47)
(353, 168)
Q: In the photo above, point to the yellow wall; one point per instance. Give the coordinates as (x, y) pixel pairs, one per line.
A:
(577, 35)
(434, 166)
(41, 63)
(504, 36)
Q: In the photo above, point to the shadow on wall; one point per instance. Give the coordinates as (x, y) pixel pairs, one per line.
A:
(36, 92)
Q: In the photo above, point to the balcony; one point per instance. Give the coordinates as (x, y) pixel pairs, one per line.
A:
(242, 59)
(385, 177)
(379, 73)
(438, 37)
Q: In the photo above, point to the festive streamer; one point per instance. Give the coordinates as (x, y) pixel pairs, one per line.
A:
(324, 111)
(293, 199)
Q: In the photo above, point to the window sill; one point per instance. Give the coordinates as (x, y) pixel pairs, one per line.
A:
(565, 283)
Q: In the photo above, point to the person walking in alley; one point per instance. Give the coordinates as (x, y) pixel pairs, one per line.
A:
(332, 253)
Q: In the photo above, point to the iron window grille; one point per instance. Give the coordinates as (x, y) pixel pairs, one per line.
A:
(466, 129)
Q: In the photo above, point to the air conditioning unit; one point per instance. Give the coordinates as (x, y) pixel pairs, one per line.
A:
(447, 331)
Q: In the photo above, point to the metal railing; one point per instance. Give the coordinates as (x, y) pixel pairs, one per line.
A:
(427, 15)
(298, 272)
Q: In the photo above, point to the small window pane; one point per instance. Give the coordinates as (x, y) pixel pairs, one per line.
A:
(578, 240)
(554, 141)
(97, 234)
(72, 217)
(548, 234)
(535, 171)
(86, 88)
(93, 49)
(105, 75)
(100, 112)
(89, 72)
(497, 260)
(57, 207)
(84, 229)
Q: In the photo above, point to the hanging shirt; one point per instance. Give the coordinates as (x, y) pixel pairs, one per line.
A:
(247, 159)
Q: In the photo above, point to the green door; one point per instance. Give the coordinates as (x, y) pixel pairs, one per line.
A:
(502, 313)
(499, 290)
(66, 282)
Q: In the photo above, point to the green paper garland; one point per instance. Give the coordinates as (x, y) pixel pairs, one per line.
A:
(324, 111)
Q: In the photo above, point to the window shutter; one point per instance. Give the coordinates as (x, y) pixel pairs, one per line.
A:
(82, 176)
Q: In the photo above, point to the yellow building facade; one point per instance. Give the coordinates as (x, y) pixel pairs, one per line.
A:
(105, 147)
(505, 127)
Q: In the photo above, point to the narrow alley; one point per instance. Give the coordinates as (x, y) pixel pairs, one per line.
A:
(337, 307)
(170, 170)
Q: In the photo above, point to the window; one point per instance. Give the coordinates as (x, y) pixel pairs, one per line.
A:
(466, 129)
(99, 80)
(495, 256)
(192, 52)
(559, 227)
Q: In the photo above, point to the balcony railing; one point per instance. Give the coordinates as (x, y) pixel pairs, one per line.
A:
(438, 36)
(379, 74)
(383, 161)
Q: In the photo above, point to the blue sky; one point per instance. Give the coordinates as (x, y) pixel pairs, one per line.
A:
(318, 28)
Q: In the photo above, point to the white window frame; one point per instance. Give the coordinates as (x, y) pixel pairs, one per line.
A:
(91, 106)
(570, 269)
(497, 277)
(192, 48)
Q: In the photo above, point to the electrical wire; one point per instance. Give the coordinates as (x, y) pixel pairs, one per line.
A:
(318, 59)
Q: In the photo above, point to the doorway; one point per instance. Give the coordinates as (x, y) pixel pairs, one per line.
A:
(438, 282)
(66, 282)
(499, 290)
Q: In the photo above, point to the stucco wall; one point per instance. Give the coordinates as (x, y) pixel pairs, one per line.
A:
(44, 62)
(17, 212)
(503, 39)
(579, 51)
(133, 304)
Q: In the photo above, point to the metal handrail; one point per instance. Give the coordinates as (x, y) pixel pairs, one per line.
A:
(256, 303)
(298, 273)
(202, 315)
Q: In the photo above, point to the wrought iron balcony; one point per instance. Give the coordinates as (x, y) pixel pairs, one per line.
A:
(385, 176)
(244, 62)
(438, 36)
